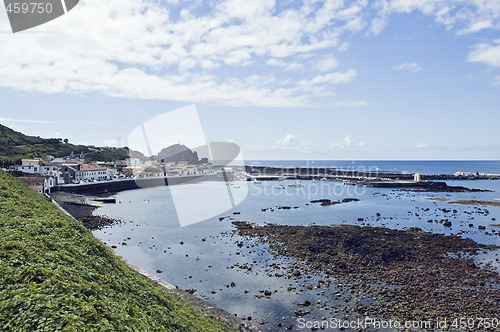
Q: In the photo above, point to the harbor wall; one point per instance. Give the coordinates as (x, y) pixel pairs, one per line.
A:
(94, 188)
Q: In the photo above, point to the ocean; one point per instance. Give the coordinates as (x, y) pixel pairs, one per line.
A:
(186, 231)
(403, 166)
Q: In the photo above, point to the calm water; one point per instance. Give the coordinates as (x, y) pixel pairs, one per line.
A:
(162, 230)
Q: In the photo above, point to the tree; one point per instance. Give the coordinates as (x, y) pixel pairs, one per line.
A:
(66, 141)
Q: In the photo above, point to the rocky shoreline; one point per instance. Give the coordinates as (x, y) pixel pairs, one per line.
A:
(79, 207)
(405, 275)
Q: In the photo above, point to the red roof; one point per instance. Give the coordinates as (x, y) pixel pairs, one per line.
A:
(87, 167)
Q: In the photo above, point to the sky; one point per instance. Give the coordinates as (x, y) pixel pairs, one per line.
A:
(309, 80)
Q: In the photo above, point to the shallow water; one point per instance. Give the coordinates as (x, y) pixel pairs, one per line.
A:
(203, 255)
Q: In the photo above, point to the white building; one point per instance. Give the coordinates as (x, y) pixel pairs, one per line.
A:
(42, 184)
(29, 166)
(417, 177)
(89, 173)
(34, 167)
(132, 162)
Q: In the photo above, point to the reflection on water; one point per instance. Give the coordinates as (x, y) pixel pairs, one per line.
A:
(208, 258)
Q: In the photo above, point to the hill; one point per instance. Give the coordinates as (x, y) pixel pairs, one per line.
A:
(15, 145)
(176, 153)
(57, 276)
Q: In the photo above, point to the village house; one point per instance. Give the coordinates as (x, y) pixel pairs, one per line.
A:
(29, 166)
(42, 184)
(76, 173)
(132, 162)
(90, 173)
(35, 167)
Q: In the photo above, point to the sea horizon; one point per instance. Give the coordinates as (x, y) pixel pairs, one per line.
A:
(399, 166)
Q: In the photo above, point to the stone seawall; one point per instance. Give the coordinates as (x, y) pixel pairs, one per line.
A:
(309, 173)
(95, 188)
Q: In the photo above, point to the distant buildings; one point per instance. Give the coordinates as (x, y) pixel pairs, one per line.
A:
(64, 170)
(42, 175)
(132, 162)
(42, 184)
(81, 173)
(30, 166)
(36, 167)
(90, 173)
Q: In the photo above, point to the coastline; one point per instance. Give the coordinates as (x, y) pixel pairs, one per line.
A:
(240, 252)
(80, 208)
(77, 208)
(378, 272)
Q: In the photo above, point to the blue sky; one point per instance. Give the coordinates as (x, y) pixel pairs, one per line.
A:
(384, 79)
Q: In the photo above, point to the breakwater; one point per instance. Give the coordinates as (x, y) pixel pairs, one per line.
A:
(95, 188)
(311, 173)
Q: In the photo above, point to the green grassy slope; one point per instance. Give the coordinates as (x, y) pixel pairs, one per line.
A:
(54, 275)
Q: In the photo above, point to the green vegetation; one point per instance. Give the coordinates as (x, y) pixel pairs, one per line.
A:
(474, 202)
(14, 146)
(57, 276)
(466, 202)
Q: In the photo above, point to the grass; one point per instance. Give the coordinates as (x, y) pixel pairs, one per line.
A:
(57, 277)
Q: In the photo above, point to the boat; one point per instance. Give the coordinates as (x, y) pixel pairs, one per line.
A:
(315, 181)
(296, 184)
(236, 186)
(256, 181)
(324, 179)
(280, 186)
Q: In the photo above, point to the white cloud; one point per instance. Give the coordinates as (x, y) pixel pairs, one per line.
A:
(327, 64)
(409, 66)
(472, 15)
(488, 54)
(347, 142)
(331, 78)
(140, 50)
(422, 145)
(26, 121)
(285, 142)
(350, 103)
(476, 27)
